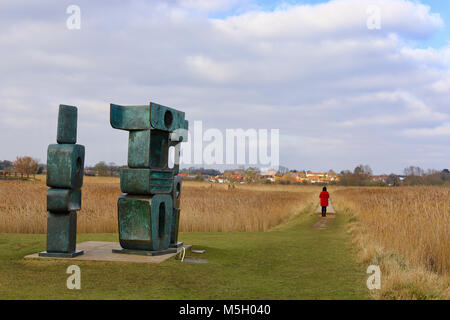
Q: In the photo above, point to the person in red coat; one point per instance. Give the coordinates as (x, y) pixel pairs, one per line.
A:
(324, 196)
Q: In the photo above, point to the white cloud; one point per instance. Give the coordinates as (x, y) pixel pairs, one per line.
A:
(442, 85)
(429, 56)
(208, 5)
(392, 108)
(209, 69)
(338, 17)
(440, 131)
(313, 71)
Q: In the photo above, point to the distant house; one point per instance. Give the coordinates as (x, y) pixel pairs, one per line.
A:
(381, 178)
(238, 177)
(89, 173)
(269, 175)
(315, 177)
(301, 177)
(216, 179)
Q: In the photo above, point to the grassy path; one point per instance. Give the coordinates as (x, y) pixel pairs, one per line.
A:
(292, 261)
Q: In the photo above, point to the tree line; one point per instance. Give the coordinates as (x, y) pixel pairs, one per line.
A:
(418, 176)
(104, 169)
(25, 166)
(362, 175)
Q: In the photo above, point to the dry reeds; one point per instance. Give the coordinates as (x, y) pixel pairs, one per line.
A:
(205, 208)
(407, 232)
(217, 209)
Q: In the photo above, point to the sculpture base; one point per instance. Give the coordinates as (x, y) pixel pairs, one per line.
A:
(144, 252)
(61, 254)
(176, 245)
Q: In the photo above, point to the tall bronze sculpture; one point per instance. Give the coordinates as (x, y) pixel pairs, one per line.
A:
(65, 170)
(149, 208)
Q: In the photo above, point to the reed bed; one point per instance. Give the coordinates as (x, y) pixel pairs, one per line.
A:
(407, 232)
(205, 207)
(217, 209)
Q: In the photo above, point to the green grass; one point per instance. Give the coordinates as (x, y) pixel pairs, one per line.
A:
(292, 261)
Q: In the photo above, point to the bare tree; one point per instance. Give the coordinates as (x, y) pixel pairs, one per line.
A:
(414, 171)
(113, 169)
(251, 174)
(26, 165)
(283, 170)
(363, 170)
(101, 169)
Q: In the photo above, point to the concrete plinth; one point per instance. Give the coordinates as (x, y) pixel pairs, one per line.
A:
(61, 254)
(102, 251)
(144, 252)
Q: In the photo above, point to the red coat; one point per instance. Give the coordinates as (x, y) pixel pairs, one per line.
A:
(324, 196)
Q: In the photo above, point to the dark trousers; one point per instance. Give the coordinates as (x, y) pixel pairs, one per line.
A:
(324, 211)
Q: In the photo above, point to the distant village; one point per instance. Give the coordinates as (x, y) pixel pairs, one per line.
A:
(303, 177)
(239, 176)
(362, 175)
(252, 175)
(271, 176)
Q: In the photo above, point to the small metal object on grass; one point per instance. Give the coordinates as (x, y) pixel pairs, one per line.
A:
(180, 255)
(192, 260)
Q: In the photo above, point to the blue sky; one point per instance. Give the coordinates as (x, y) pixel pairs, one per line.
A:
(440, 39)
(339, 93)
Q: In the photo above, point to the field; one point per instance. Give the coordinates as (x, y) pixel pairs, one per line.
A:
(259, 242)
(205, 207)
(407, 232)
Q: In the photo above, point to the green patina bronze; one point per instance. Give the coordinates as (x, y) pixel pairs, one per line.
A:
(151, 116)
(176, 196)
(174, 230)
(145, 181)
(176, 191)
(62, 232)
(148, 211)
(65, 170)
(165, 118)
(145, 222)
(63, 200)
(130, 117)
(144, 252)
(65, 166)
(67, 125)
(176, 138)
(148, 149)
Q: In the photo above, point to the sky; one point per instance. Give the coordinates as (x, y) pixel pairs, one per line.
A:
(340, 93)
